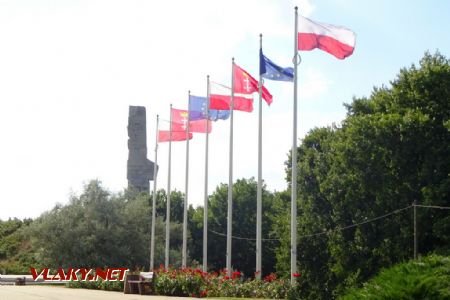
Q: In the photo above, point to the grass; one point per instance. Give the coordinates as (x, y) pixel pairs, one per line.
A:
(426, 278)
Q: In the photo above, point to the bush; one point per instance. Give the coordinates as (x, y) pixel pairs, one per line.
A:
(196, 283)
(183, 282)
(427, 278)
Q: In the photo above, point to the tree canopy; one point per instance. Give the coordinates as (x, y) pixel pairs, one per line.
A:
(392, 149)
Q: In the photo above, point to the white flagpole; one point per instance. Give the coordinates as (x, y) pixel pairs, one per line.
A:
(230, 178)
(259, 189)
(184, 254)
(155, 174)
(205, 204)
(294, 163)
(166, 261)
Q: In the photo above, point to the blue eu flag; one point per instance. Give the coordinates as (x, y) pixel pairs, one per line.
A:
(197, 110)
(269, 70)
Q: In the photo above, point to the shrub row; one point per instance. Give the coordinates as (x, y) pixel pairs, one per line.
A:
(426, 278)
(196, 283)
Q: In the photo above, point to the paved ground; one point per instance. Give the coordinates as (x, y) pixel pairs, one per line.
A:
(11, 292)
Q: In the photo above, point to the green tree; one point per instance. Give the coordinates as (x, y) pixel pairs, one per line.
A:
(100, 229)
(392, 148)
(16, 253)
(244, 228)
(176, 205)
(195, 227)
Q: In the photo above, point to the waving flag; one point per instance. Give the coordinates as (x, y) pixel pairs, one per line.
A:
(220, 98)
(245, 84)
(270, 70)
(197, 110)
(200, 126)
(179, 118)
(164, 136)
(180, 121)
(336, 40)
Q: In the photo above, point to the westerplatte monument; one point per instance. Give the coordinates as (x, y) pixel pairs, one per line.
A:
(139, 168)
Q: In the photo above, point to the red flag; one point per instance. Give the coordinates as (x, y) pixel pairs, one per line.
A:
(200, 126)
(164, 136)
(245, 84)
(180, 119)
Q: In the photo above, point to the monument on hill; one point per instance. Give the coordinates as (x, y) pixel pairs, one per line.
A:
(139, 168)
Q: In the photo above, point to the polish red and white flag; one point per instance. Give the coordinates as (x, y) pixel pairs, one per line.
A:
(165, 136)
(336, 40)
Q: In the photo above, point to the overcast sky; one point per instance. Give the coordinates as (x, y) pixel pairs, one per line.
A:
(70, 69)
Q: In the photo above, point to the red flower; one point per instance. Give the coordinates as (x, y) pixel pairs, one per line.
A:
(296, 275)
(203, 293)
(235, 275)
(226, 277)
(270, 278)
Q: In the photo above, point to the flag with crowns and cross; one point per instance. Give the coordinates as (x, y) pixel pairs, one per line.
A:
(245, 84)
(180, 119)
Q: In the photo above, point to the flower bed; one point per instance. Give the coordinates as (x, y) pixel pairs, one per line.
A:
(196, 283)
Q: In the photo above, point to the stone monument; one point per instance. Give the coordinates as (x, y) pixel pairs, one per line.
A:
(139, 168)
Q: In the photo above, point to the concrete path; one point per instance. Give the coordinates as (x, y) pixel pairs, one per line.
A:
(11, 292)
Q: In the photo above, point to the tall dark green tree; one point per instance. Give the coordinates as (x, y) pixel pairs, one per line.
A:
(244, 228)
(195, 227)
(392, 148)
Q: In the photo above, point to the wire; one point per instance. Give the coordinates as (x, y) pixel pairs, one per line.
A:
(240, 238)
(357, 224)
(432, 206)
(340, 228)
(323, 232)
